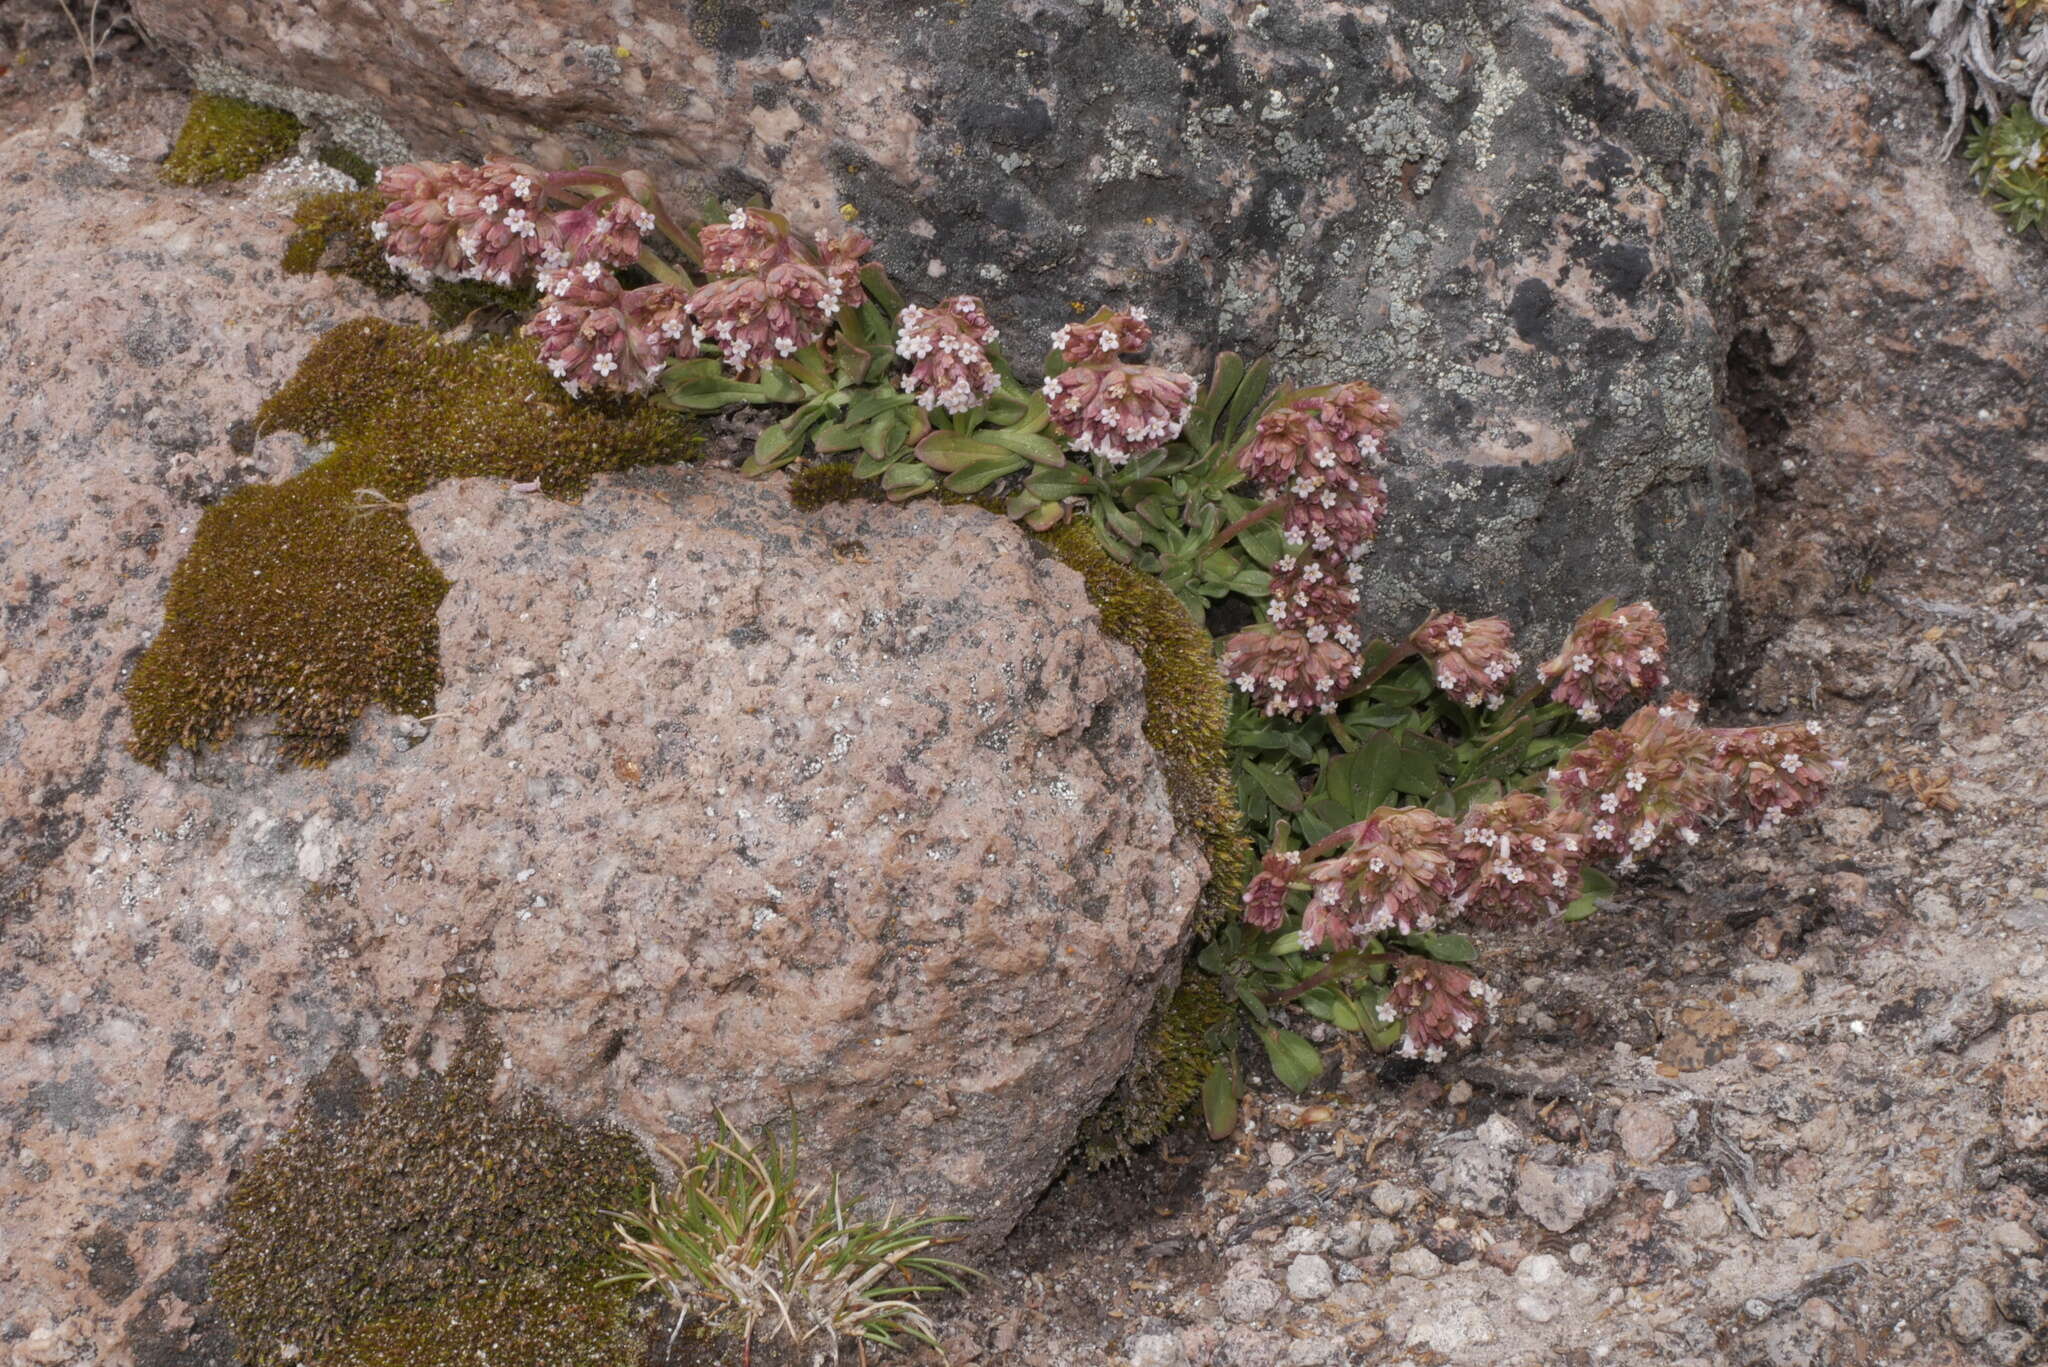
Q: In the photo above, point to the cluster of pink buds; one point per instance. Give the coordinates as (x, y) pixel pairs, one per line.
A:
(1472, 661)
(948, 347)
(1395, 871)
(1111, 407)
(448, 221)
(1773, 772)
(1644, 784)
(1313, 455)
(607, 230)
(777, 292)
(1612, 655)
(1521, 860)
(596, 336)
(1438, 1005)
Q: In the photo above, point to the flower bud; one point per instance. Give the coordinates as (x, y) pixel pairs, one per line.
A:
(1474, 661)
(1286, 672)
(1773, 772)
(1520, 859)
(593, 336)
(947, 345)
(607, 230)
(1119, 409)
(1438, 1004)
(1265, 898)
(1104, 337)
(1396, 871)
(1609, 657)
(1643, 785)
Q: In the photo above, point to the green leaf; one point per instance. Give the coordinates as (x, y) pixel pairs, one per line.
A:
(1280, 790)
(907, 479)
(977, 475)
(1056, 484)
(1224, 380)
(1295, 1061)
(1442, 946)
(1116, 522)
(1250, 1001)
(1219, 1099)
(1250, 390)
(876, 282)
(1347, 1014)
(834, 437)
(951, 451)
(1287, 943)
(1579, 908)
(1595, 882)
(1031, 446)
(779, 444)
(874, 403)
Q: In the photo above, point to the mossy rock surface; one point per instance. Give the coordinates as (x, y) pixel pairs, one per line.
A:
(1187, 709)
(226, 139)
(311, 599)
(430, 1225)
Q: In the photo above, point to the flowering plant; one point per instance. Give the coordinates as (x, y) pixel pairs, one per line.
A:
(1397, 792)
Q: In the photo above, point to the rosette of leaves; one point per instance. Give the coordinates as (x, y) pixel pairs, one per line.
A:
(2010, 160)
(846, 404)
(1176, 513)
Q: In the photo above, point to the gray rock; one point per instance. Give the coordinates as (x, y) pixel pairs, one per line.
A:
(1249, 1298)
(1382, 1238)
(1972, 1313)
(1514, 218)
(1415, 1262)
(2023, 1070)
(2010, 1236)
(1646, 1133)
(1391, 1200)
(1559, 1197)
(1476, 1173)
(1157, 1350)
(1540, 1309)
(1309, 1277)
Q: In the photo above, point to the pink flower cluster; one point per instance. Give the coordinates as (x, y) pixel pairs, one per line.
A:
(1406, 869)
(449, 221)
(1520, 861)
(778, 293)
(1111, 407)
(1773, 772)
(597, 336)
(1314, 455)
(1472, 661)
(1438, 1004)
(1612, 655)
(948, 347)
(1659, 777)
(1396, 871)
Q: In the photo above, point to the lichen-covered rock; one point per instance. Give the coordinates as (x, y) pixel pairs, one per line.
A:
(1513, 215)
(720, 802)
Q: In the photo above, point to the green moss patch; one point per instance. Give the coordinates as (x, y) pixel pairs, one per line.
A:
(1187, 708)
(334, 233)
(431, 1226)
(227, 139)
(828, 482)
(311, 599)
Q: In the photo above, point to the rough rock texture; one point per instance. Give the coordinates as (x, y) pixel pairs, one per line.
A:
(723, 804)
(2023, 1070)
(1515, 216)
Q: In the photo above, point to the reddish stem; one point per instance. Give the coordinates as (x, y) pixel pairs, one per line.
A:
(1250, 519)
